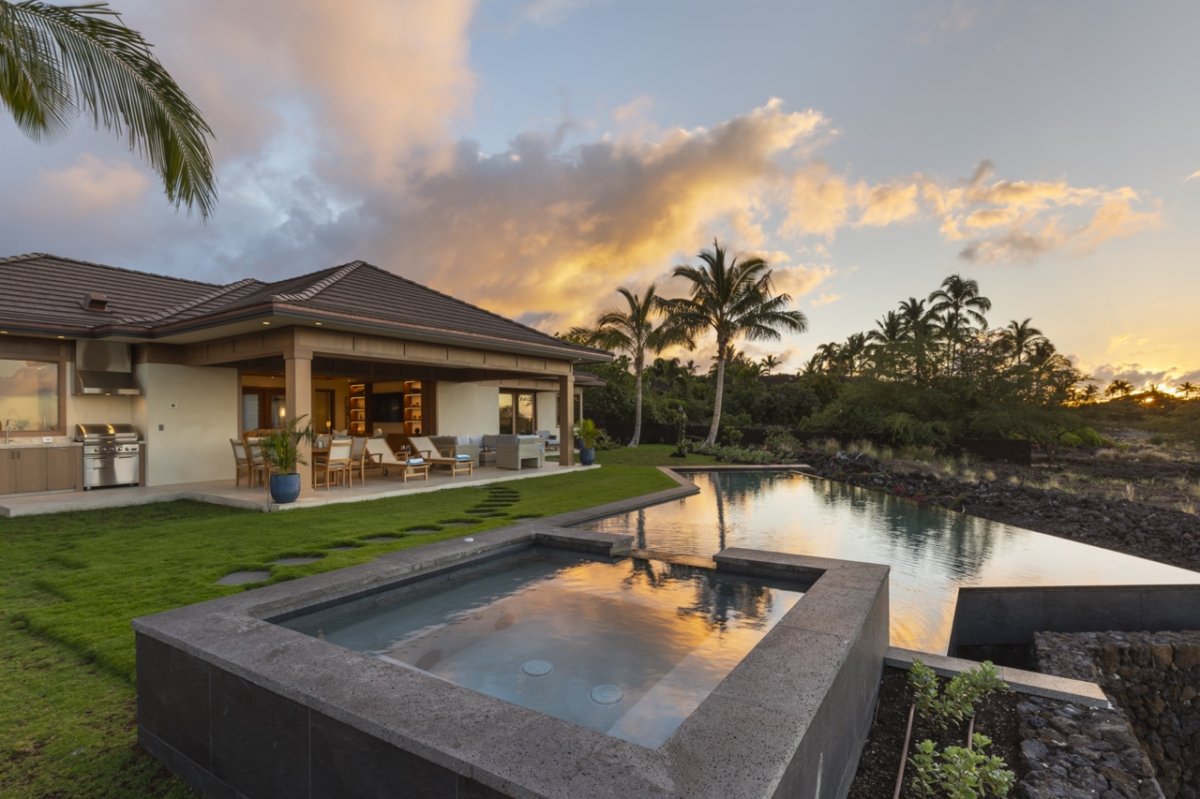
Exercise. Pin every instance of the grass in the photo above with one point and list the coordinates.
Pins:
(71, 583)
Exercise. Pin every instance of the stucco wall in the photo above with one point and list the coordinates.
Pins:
(547, 411)
(467, 409)
(197, 410)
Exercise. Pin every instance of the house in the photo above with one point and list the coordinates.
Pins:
(192, 364)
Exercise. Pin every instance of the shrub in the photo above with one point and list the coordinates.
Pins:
(956, 702)
(960, 773)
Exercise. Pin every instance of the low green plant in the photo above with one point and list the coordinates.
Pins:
(588, 433)
(281, 448)
(957, 772)
(955, 703)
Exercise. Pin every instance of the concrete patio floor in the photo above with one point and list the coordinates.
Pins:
(224, 492)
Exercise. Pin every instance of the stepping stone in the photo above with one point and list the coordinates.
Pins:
(297, 561)
(382, 539)
(459, 522)
(528, 516)
(242, 578)
(422, 528)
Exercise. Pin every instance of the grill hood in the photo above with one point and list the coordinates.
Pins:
(104, 367)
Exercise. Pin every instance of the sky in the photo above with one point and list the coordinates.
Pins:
(531, 156)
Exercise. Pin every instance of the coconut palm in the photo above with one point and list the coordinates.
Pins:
(1119, 387)
(731, 299)
(919, 330)
(1020, 338)
(1188, 388)
(769, 363)
(960, 307)
(57, 61)
(633, 331)
(885, 342)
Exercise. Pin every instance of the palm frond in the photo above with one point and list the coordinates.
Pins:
(57, 60)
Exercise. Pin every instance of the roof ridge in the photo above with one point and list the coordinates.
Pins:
(469, 304)
(183, 306)
(32, 255)
(320, 285)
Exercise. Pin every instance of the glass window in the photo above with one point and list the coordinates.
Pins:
(517, 414)
(29, 395)
(506, 412)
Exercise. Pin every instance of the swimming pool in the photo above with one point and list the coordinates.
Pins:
(932, 551)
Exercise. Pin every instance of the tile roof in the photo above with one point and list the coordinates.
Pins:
(48, 293)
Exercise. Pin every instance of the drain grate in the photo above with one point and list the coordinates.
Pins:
(537, 668)
(607, 694)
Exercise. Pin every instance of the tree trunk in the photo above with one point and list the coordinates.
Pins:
(637, 413)
(718, 395)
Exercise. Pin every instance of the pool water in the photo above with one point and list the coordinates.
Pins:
(931, 551)
(629, 648)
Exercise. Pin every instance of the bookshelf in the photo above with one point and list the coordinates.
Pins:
(414, 419)
(356, 411)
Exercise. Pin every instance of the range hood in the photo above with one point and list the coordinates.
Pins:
(104, 367)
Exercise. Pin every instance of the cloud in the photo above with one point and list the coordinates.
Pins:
(90, 185)
(826, 299)
(1192, 176)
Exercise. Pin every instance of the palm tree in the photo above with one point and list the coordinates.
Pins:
(769, 363)
(734, 299)
(960, 307)
(1188, 388)
(634, 332)
(56, 61)
(919, 330)
(1119, 387)
(1020, 338)
(885, 341)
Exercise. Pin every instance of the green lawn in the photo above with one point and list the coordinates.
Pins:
(70, 584)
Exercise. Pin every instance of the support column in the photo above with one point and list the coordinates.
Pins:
(566, 420)
(298, 399)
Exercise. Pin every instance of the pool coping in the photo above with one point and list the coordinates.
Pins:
(789, 720)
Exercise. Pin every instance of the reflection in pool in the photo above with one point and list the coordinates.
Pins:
(932, 551)
(628, 648)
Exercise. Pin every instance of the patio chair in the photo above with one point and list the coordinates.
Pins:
(402, 464)
(241, 462)
(361, 458)
(257, 464)
(337, 463)
(457, 464)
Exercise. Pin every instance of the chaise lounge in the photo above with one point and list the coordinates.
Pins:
(457, 464)
(404, 466)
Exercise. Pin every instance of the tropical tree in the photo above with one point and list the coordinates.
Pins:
(960, 308)
(1188, 388)
(731, 299)
(769, 363)
(1118, 387)
(1020, 338)
(919, 330)
(885, 343)
(58, 61)
(633, 331)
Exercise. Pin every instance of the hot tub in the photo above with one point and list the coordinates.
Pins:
(531, 661)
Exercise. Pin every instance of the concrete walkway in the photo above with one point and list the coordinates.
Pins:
(222, 492)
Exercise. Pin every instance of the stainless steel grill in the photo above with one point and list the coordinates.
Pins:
(111, 454)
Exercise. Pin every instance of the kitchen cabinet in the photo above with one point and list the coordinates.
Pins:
(28, 469)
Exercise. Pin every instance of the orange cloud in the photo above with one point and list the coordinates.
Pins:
(91, 185)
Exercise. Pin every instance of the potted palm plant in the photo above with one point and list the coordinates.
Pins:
(588, 434)
(281, 450)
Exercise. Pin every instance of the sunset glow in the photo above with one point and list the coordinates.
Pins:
(504, 153)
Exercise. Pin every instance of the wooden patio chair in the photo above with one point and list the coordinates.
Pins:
(400, 463)
(258, 466)
(241, 462)
(337, 463)
(457, 464)
(361, 458)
